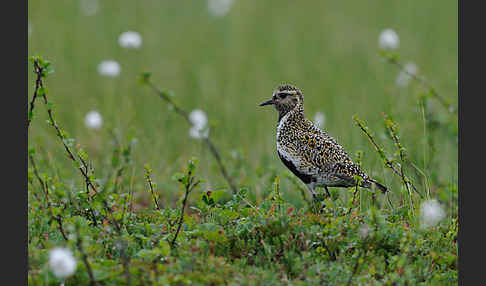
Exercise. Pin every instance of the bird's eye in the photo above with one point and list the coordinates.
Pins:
(282, 95)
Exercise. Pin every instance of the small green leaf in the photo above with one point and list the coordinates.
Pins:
(144, 77)
(41, 91)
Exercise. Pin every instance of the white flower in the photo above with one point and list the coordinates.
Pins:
(93, 120)
(109, 68)
(319, 119)
(130, 40)
(89, 7)
(198, 118)
(405, 75)
(431, 213)
(198, 133)
(62, 262)
(199, 122)
(388, 40)
(219, 8)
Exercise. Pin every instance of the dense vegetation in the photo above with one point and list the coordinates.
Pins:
(140, 202)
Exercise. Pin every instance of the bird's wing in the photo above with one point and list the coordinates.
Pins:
(323, 152)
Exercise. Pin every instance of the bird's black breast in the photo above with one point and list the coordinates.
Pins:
(304, 177)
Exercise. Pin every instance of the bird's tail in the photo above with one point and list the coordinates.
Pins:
(382, 188)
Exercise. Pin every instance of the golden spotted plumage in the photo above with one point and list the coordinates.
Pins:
(311, 154)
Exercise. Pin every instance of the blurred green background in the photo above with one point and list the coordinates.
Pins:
(226, 65)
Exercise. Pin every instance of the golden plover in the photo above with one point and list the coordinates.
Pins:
(312, 155)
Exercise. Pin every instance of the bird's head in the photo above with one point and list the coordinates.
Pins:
(285, 98)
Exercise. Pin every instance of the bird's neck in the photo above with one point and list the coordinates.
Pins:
(296, 111)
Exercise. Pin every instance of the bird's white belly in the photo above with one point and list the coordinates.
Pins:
(281, 149)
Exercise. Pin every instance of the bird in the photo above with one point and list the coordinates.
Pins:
(310, 153)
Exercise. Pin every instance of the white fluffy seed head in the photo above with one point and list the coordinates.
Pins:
(219, 8)
(198, 133)
(431, 213)
(388, 40)
(320, 119)
(405, 75)
(130, 40)
(199, 122)
(93, 120)
(62, 262)
(89, 7)
(109, 68)
(198, 118)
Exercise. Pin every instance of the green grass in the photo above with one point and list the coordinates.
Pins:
(226, 66)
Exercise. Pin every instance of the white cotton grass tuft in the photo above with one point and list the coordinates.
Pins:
(319, 119)
(62, 262)
(130, 40)
(198, 118)
(89, 7)
(431, 213)
(199, 122)
(405, 75)
(93, 120)
(388, 40)
(198, 133)
(109, 68)
(219, 8)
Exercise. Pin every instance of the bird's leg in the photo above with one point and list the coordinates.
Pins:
(317, 204)
(327, 191)
(314, 194)
(315, 198)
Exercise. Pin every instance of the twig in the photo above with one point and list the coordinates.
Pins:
(125, 206)
(163, 94)
(45, 190)
(189, 186)
(355, 268)
(391, 126)
(40, 70)
(215, 153)
(38, 84)
(380, 151)
(126, 262)
(148, 172)
(41, 182)
(84, 257)
(61, 228)
(113, 220)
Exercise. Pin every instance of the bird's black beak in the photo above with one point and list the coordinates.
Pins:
(268, 102)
